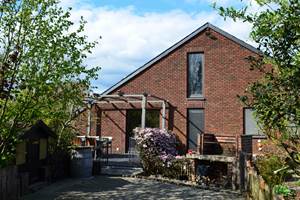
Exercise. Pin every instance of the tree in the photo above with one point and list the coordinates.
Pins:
(42, 75)
(276, 97)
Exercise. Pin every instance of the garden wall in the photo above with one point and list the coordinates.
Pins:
(12, 185)
(257, 187)
(253, 184)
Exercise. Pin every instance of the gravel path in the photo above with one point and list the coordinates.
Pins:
(105, 187)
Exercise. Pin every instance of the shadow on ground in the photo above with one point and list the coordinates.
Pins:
(105, 187)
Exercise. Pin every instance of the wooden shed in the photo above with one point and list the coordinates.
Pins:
(32, 152)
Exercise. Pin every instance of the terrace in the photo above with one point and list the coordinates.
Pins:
(218, 149)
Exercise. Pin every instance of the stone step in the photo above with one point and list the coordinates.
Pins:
(119, 156)
(121, 161)
(121, 164)
(120, 171)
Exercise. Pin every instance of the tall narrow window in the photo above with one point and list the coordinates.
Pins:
(195, 127)
(251, 126)
(195, 75)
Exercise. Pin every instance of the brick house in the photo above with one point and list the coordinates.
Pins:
(199, 78)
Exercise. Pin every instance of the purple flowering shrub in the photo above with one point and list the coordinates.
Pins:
(157, 149)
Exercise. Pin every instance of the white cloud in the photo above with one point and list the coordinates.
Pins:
(129, 40)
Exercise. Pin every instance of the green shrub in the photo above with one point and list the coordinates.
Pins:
(157, 148)
(158, 154)
(284, 190)
(266, 166)
(177, 169)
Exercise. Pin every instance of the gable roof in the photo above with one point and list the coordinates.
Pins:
(38, 130)
(175, 46)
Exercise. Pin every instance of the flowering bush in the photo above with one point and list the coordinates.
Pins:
(157, 148)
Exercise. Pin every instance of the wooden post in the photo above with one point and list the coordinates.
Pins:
(144, 103)
(193, 174)
(237, 145)
(234, 174)
(163, 123)
(88, 132)
(202, 143)
(199, 144)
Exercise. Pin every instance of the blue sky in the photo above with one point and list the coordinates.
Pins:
(143, 6)
(135, 31)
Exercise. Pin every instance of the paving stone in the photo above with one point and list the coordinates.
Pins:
(108, 187)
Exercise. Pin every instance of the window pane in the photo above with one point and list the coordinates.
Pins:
(251, 127)
(195, 62)
(196, 126)
(133, 120)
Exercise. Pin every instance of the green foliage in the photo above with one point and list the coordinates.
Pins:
(177, 169)
(267, 165)
(42, 75)
(284, 190)
(275, 98)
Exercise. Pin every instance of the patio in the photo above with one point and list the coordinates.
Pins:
(106, 187)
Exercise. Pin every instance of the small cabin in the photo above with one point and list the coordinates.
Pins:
(32, 152)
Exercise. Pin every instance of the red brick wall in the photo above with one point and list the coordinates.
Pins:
(251, 143)
(114, 124)
(81, 121)
(226, 74)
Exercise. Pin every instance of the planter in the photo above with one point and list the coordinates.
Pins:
(81, 162)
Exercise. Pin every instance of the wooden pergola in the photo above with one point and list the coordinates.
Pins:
(121, 98)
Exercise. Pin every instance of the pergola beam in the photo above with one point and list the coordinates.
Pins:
(118, 96)
(122, 98)
(115, 101)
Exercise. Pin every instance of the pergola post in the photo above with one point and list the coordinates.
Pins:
(144, 103)
(163, 123)
(88, 132)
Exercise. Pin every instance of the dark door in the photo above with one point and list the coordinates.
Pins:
(195, 127)
(33, 160)
(133, 120)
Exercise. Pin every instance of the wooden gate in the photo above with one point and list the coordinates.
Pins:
(33, 161)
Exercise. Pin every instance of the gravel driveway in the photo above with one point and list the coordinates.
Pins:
(105, 187)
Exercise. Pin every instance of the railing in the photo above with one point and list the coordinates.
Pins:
(132, 151)
(102, 145)
(208, 142)
(132, 146)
